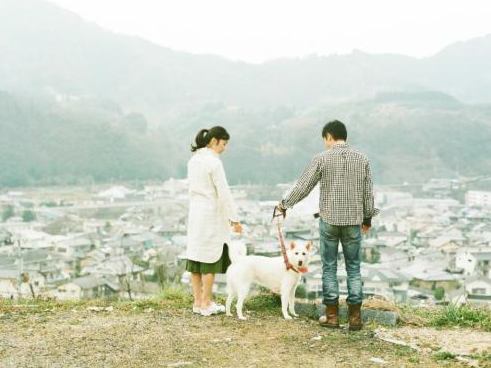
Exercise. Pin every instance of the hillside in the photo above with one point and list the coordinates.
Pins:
(91, 105)
(164, 333)
(408, 136)
(45, 143)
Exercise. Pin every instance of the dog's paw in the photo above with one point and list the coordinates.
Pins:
(294, 314)
(288, 317)
(229, 314)
(243, 318)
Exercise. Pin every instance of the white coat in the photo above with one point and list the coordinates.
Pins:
(211, 207)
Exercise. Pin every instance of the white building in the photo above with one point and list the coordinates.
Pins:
(87, 287)
(478, 198)
(30, 283)
(478, 285)
(472, 260)
(115, 193)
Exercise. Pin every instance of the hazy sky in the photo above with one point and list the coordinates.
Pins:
(258, 30)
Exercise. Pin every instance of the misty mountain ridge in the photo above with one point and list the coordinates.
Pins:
(87, 79)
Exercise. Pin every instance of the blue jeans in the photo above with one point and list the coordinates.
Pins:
(350, 237)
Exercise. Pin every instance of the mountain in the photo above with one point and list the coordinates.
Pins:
(409, 136)
(43, 143)
(117, 106)
(462, 69)
(48, 48)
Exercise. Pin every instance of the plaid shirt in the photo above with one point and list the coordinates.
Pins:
(346, 188)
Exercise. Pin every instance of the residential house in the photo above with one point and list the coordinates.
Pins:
(87, 287)
(120, 269)
(432, 279)
(49, 264)
(393, 238)
(139, 290)
(478, 290)
(474, 260)
(31, 284)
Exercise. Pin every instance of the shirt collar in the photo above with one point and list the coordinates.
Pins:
(208, 151)
(340, 145)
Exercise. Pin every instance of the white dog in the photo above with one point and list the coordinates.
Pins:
(268, 272)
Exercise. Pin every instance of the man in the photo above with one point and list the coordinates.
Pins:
(346, 210)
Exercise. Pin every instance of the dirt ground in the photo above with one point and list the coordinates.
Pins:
(457, 341)
(174, 337)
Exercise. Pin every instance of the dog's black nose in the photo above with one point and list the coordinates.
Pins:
(299, 263)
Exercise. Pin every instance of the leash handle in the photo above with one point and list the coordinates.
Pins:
(283, 213)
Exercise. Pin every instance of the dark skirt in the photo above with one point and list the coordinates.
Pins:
(219, 266)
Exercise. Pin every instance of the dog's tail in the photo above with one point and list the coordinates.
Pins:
(237, 250)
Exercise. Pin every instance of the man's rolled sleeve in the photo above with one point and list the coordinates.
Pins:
(369, 209)
(308, 180)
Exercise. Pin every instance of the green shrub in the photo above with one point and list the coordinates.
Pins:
(176, 293)
(439, 293)
(464, 316)
(444, 355)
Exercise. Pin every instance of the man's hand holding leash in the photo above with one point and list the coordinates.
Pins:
(280, 210)
(237, 227)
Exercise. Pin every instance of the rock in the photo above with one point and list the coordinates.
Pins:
(317, 338)
(468, 361)
(225, 339)
(378, 360)
(179, 364)
(368, 315)
(95, 309)
(100, 309)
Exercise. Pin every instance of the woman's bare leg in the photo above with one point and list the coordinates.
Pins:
(197, 288)
(208, 280)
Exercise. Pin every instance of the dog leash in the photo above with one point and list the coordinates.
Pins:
(288, 265)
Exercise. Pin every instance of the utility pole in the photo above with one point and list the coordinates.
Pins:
(20, 267)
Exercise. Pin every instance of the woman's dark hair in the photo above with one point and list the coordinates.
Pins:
(205, 136)
(336, 129)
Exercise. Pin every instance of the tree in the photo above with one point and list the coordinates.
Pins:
(301, 292)
(439, 293)
(107, 227)
(8, 213)
(28, 216)
(375, 256)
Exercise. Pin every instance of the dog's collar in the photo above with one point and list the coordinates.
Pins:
(300, 270)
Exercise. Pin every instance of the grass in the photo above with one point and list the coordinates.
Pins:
(444, 355)
(465, 316)
(163, 331)
(176, 294)
(263, 304)
(484, 358)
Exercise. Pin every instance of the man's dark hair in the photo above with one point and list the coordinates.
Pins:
(336, 129)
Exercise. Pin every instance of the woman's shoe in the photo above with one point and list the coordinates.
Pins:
(212, 310)
(196, 309)
(220, 308)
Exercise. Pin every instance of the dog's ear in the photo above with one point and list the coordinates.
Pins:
(310, 246)
(292, 245)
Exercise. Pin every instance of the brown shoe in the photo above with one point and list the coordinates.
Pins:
(354, 315)
(331, 319)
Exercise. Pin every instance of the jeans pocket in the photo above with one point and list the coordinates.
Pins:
(353, 232)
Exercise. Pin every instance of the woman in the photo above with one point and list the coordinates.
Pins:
(211, 211)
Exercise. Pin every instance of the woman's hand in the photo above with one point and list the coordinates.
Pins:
(237, 227)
